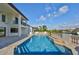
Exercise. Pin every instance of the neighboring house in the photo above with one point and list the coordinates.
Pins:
(13, 22)
(34, 29)
(75, 31)
(75, 37)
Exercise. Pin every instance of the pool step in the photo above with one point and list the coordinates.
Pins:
(19, 51)
(22, 50)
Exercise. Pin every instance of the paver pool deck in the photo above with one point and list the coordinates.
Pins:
(9, 48)
(5, 41)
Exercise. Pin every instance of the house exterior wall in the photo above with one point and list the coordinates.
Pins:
(8, 24)
(10, 18)
(31, 30)
(25, 30)
(2, 24)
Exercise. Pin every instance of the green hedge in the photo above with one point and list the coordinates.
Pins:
(1, 30)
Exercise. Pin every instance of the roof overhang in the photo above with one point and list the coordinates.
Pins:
(11, 5)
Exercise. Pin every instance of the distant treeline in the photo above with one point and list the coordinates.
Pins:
(55, 31)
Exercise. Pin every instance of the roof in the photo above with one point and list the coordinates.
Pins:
(35, 27)
(17, 10)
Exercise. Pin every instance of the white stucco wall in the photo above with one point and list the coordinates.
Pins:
(30, 30)
(2, 24)
(8, 24)
(25, 30)
(10, 17)
(0, 17)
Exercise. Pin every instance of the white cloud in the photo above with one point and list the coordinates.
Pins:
(48, 9)
(61, 10)
(42, 18)
(55, 14)
(49, 15)
(52, 14)
(64, 9)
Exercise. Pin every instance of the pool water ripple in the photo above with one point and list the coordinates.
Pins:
(41, 44)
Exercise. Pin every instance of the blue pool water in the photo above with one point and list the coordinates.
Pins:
(41, 45)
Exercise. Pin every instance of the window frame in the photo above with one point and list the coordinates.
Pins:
(14, 30)
(3, 18)
(16, 20)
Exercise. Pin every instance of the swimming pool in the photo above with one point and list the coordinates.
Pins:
(41, 45)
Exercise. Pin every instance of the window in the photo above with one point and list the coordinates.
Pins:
(14, 30)
(16, 20)
(2, 31)
(3, 18)
(23, 22)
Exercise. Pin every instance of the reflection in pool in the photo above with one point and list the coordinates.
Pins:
(41, 45)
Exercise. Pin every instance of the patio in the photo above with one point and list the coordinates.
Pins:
(5, 41)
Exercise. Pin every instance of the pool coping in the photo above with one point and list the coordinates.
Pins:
(68, 46)
(9, 50)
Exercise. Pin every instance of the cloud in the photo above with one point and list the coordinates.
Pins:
(42, 18)
(48, 9)
(49, 15)
(64, 9)
(56, 13)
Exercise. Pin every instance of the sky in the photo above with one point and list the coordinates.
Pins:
(53, 15)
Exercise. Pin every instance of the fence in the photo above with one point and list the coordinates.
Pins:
(69, 38)
(75, 39)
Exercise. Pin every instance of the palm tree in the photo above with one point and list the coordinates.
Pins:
(43, 28)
